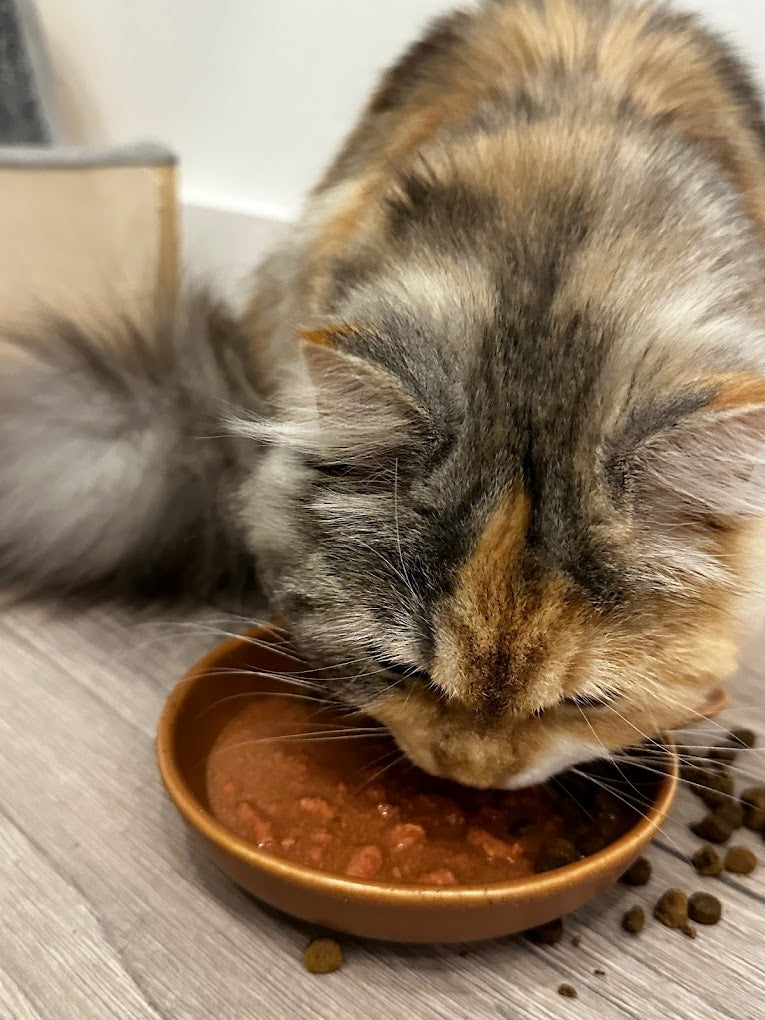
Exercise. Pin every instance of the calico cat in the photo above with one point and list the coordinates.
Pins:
(491, 431)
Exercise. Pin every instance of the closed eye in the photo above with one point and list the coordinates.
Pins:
(404, 669)
(591, 700)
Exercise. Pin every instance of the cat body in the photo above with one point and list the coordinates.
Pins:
(491, 428)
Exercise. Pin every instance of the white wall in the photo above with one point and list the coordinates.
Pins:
(254, 95)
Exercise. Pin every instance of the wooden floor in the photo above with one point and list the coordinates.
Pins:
(106, 911)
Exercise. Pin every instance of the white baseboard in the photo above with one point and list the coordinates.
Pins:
(224, 246)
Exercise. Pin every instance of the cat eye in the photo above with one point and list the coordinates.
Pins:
(403, 669)
(591, 700)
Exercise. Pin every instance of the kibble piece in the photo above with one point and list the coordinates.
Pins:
(740, 860)
(589, 843)
(365, 862)
(744, 738)
(704, 908)
(712, 828)
(638, 873)
(556, 853)
(689, 930)
(723, 754)
(753, 801)
(707, 861)
(716, 787)
(546, 934)
(672, 909)
(568, 992)
(731, 813)
(322, 956)
(634, 920)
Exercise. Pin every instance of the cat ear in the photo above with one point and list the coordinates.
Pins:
(360, 408)
(347, 410)
(705, 470)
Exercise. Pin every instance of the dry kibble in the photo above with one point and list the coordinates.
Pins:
(704, 908)
(568, 992)
(556, 854)
(672, 909)
(753, 801)
(716, 786)
(634, 920)
(740, 860)
(689, 930)
(694, 775)
(707, 861)
(546, 934)
(723, 754)
(744, 738)
(589, 843)
(731, 813)
(638, 874)
(322, 956)
(712, 828)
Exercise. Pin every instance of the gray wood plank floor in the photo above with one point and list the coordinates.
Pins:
(107, 910)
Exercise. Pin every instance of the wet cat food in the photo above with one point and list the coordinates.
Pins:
(281, 776)
(704, 908)
(322, 956)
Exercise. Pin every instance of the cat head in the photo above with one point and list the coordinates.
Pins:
(505, 607)
(518, 501)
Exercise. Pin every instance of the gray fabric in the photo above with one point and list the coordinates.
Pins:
(23, 120)
(64, 157)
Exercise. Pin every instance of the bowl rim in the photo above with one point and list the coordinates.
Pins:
(541, 885)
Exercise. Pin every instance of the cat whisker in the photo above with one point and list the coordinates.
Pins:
(605, 786)
(283, 678)
(381, 772)
(682, 781)
(558, 781)
(260, 694)
(315, 737)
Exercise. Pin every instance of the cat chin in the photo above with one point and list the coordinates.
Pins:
(562, 755)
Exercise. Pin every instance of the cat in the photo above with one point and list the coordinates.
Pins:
(490, 432)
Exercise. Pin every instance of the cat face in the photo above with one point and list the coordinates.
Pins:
(509, 603)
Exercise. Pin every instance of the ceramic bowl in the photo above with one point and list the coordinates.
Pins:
(408, 913)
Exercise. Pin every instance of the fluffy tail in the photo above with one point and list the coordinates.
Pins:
(114, 472)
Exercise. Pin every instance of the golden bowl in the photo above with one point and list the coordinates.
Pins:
(404, 913)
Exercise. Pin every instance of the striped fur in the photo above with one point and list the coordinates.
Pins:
(500, 443)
